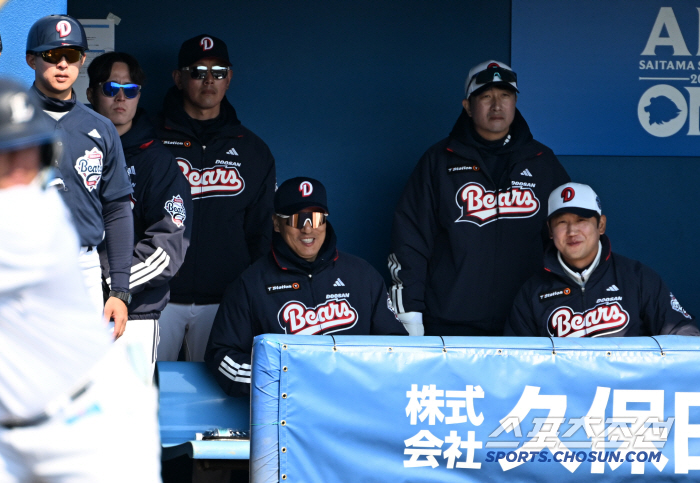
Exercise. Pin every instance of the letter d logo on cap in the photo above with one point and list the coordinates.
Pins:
(567, 194)
(306, 189)
(63, 28)
(207, 43)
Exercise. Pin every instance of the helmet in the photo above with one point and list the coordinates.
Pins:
(23, 124)
(56, 31)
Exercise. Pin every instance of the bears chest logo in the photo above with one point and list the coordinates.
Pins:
(333, 315)
(89, 167)
(480, 206)
(176, 208)
(601, 319)
(214, 181)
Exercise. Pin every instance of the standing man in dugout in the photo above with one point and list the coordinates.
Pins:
(231, 174)
(586, 290)
(160, 204)
(92, 173)
(303, 286)
(468, 229)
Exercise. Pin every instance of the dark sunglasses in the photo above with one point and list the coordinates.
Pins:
(299, 220)
(54, 56)
(111, 89)
(200, 71)
(492, 73)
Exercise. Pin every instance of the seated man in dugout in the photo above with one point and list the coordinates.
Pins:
(586, 290)
(303, 286)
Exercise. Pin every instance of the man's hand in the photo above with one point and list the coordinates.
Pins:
(115, 309)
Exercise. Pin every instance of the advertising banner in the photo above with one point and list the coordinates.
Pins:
(610, 77)
(474, 409)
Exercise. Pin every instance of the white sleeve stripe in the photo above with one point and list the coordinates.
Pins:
(397, 288)
(234, 364)
(236, 371)
(245, 380)
(227, 370)
(152, 263)
(156, 270)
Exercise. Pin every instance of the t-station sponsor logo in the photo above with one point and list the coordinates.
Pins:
(664, 109)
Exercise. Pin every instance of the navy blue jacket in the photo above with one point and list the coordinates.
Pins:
(232, 181)
(621, 298)
(162, 209)
(464, 243)
(281, 293)
(93, 171)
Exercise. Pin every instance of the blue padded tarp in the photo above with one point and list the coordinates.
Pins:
(425, 409)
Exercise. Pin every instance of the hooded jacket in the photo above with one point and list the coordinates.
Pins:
(231, 173)
(621, 298)
(281, 293)
(463, 242)
(162, 209)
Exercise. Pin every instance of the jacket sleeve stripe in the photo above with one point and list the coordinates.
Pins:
(156, 269)
(235, 372)
(397, 287)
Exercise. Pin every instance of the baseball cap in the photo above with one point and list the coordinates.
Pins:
(202, 46)
(576, 198)
(488, 73)
(298, 193)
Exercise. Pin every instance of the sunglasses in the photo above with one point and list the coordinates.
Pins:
(299, 220)
(492, 73)
(54, 56)
(111, 89)
(199, 72)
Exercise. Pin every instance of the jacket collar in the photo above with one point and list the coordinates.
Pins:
(553, 263)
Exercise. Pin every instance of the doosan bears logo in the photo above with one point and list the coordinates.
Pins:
(306, 189)
(334, 315)
(480, 206)
(176, 208)
(601, 319)
(567, 194)
(207, 43)
(211, 182)
(63, 28)
(89, 167)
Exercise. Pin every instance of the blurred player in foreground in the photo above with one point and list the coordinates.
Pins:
(72, 408)
(586, 290)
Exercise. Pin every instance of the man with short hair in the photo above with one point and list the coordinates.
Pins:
(92, 171)
(468, 229)
(586, 290)
(303, 286)
(231, 173)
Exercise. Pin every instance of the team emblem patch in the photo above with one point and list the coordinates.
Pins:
(89, 167)
(480, 206)
(306, 188)
(675, 305)
(211, 182)
(207, 43)
(555, 294)
(600, 320)
(63, 28)
(333, 315)
(282, 287)
(176, 208)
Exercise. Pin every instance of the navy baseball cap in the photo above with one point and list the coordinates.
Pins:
(202, 46)
(56, 31)
(298, 193)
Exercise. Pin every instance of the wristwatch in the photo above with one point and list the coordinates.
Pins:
(123, 296)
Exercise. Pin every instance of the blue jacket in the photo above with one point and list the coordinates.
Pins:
(232, 181)
(336, 294)
(162, 209)
(463, 243)
(621, 298)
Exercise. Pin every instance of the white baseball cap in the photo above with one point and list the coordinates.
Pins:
(576, 198)
(489, 72)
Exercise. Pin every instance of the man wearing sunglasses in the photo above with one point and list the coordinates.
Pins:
(92, 173)
(303, 286)
(231, 173)
(161, 203)
(469, 228)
